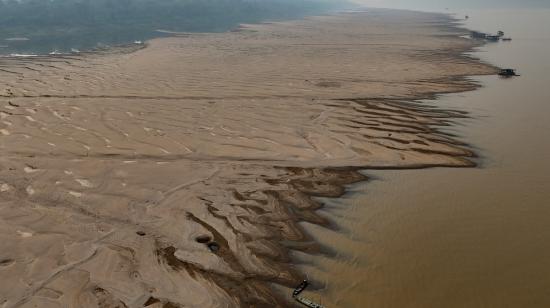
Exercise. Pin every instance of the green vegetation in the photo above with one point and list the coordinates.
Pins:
(83, 24)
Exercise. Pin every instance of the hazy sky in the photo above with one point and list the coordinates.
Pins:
(456, 4)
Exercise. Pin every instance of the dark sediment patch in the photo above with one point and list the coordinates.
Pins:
(6, 262)
(249, 291)
(203, 239)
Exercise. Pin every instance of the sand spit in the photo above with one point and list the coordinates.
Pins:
(174, 176)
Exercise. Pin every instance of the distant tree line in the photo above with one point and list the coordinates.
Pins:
(115, 20)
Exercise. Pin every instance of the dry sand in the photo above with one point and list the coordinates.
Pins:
(118, 171)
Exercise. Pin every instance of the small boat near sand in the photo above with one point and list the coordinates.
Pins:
(302, 300)
(300, 288)
(308, 303)
(478, 35)
(507, 72)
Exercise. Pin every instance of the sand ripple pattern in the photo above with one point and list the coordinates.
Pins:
(118, 171)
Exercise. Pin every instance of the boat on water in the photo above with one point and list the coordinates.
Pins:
(507, 72)
(308, 303)
(506, 39)
(300, 288)
(478, 35)
(302, 300)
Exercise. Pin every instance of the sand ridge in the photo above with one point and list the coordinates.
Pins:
(176, 175)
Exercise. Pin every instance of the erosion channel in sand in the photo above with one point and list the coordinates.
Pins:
(176, 175)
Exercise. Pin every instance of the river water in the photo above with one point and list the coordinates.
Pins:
(445, 237)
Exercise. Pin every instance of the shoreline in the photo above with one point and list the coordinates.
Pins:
(446, 237)
(282, 188)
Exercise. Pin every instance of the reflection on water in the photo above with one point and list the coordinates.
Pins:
(459, 237)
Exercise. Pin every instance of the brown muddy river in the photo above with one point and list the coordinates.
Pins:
(477, 237)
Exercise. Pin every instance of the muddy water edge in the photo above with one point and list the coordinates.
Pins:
(473, 237)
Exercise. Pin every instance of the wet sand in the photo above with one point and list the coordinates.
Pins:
(177, 175)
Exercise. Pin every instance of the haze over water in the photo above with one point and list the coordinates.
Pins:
(476, 237)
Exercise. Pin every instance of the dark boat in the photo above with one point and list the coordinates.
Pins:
(507, 72)
(306, 302)
(301, 287)
(506, 38)
(302, 300)
(478, 35)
